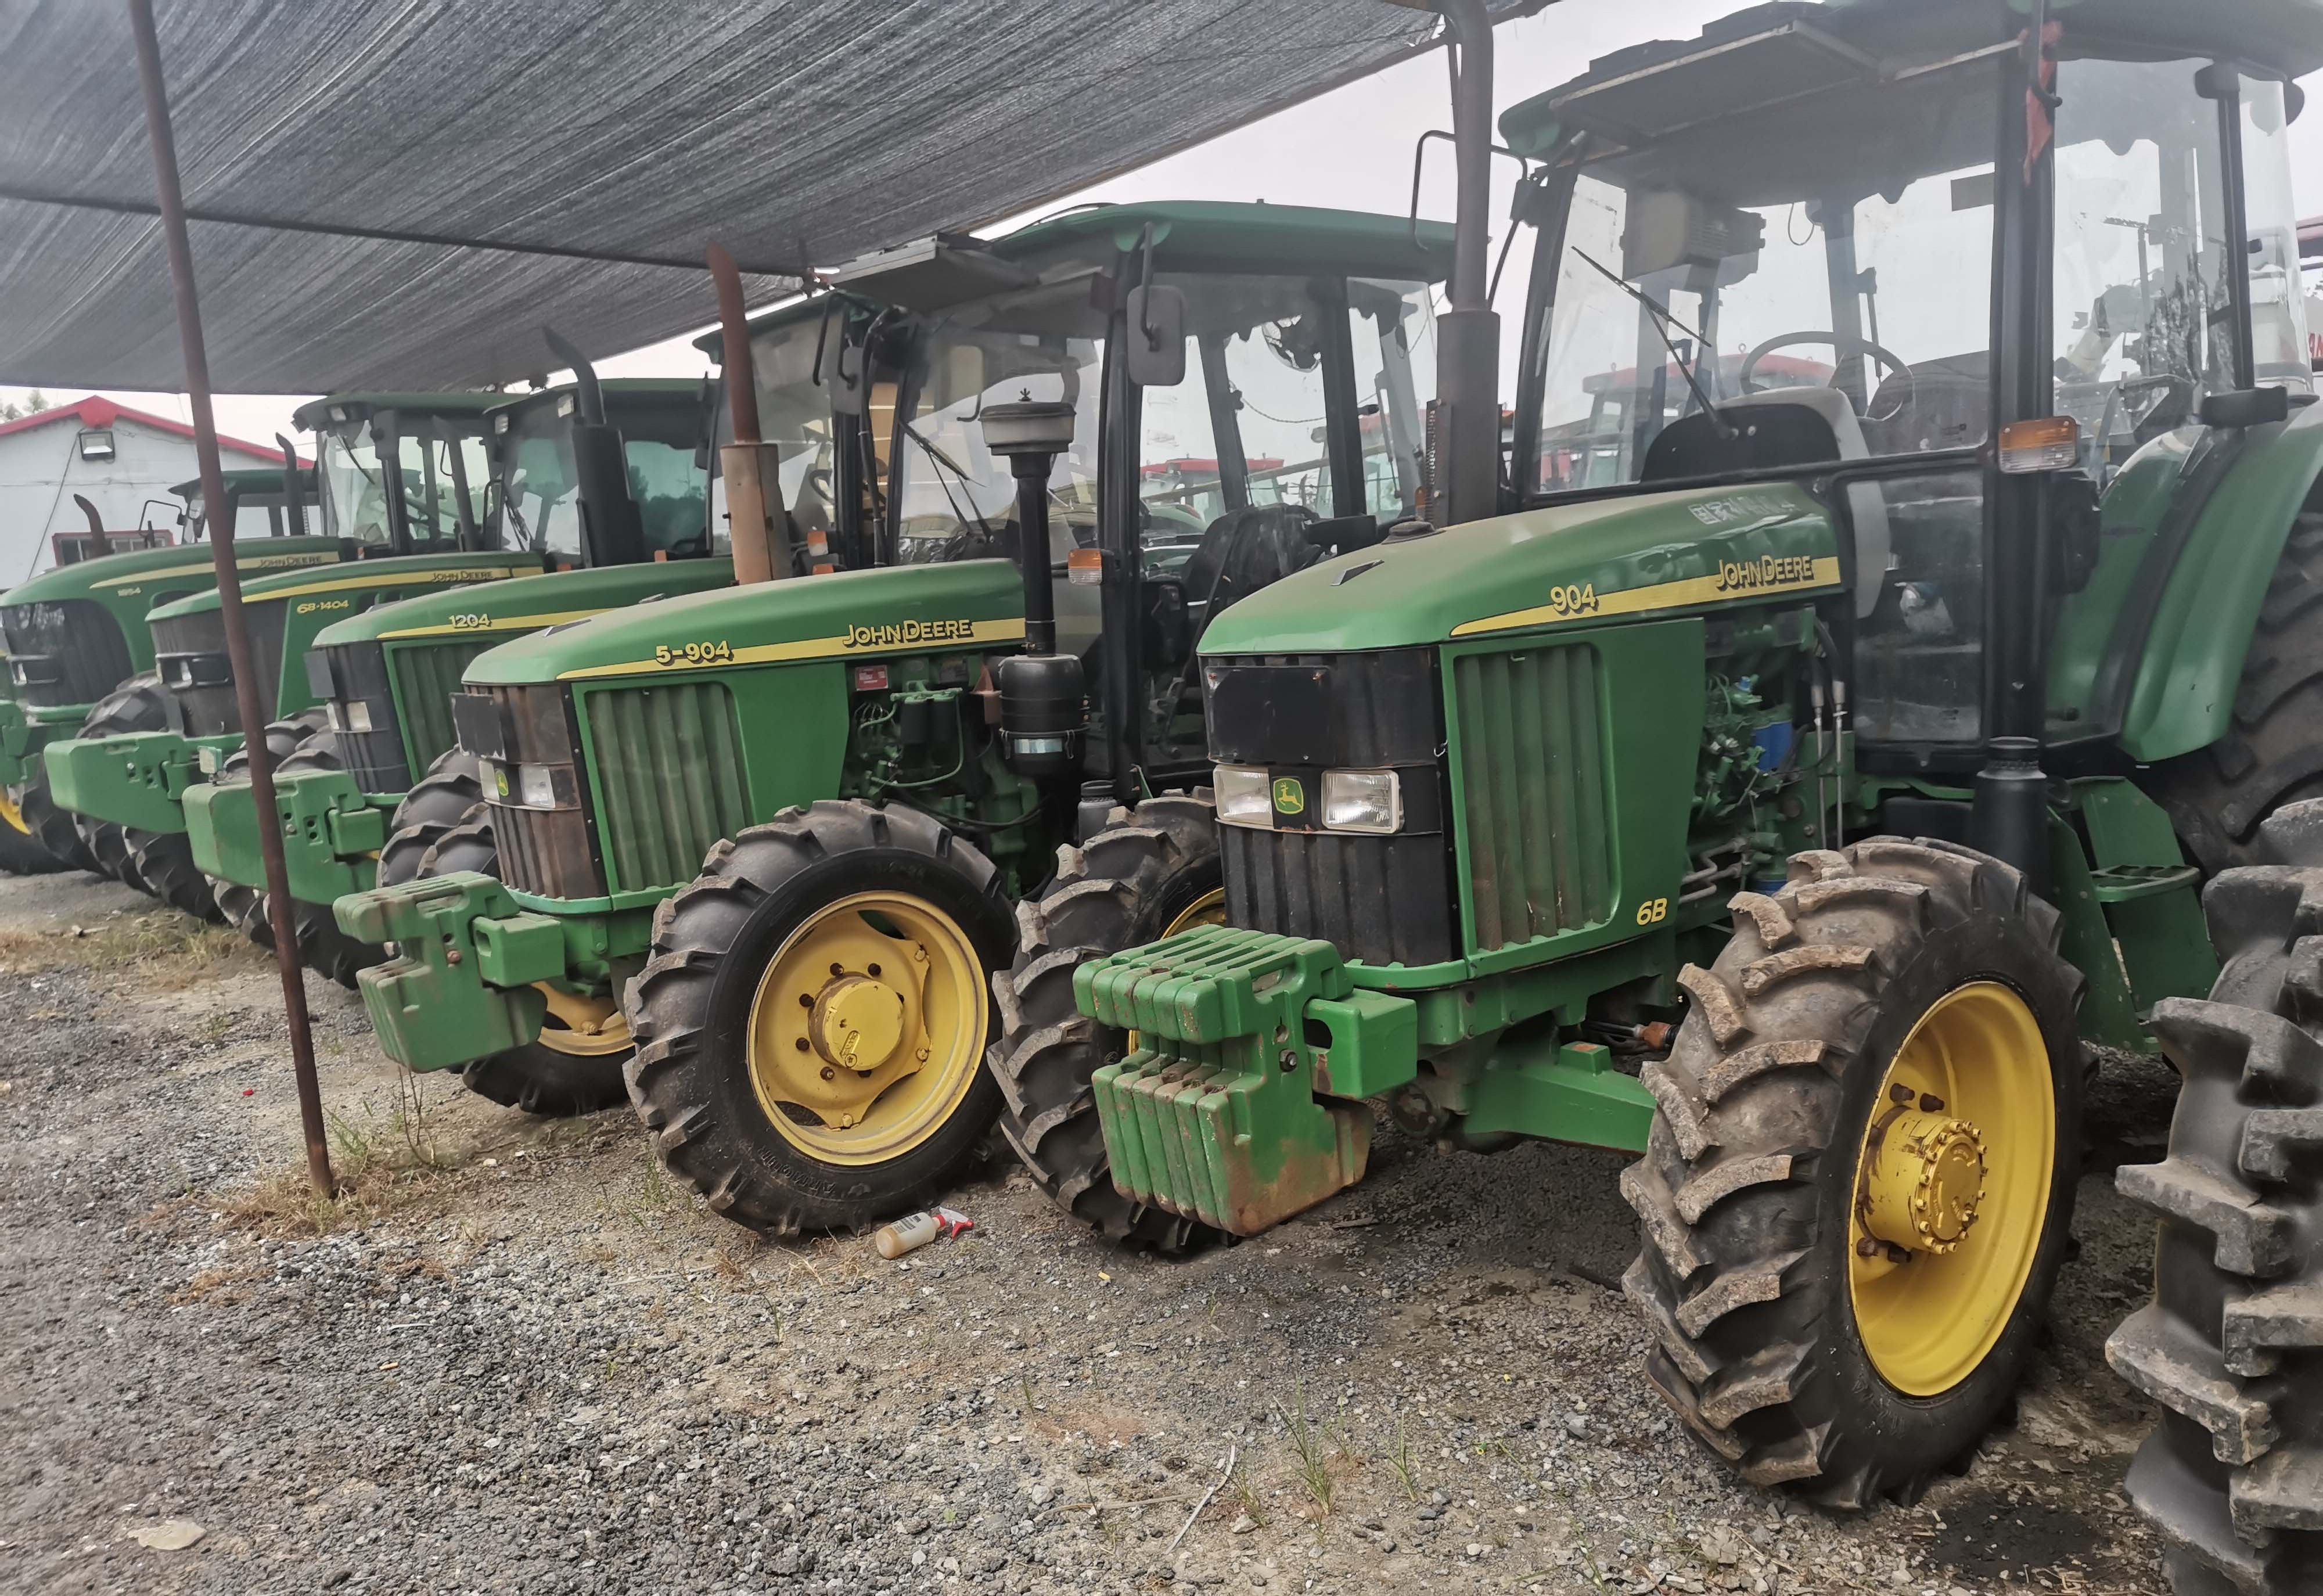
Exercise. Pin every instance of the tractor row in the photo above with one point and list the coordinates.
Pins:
(1129, 682)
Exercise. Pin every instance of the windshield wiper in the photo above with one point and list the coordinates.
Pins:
(1663, 321)
(967, 481)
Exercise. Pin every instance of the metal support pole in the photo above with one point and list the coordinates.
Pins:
(229, 585)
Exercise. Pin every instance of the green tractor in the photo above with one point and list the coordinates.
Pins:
(1787, 779)
(75, 634)
(785, 825)
(402, 481)
(371, 703)
(363, 800)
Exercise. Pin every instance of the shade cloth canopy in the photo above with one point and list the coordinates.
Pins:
(398, 193)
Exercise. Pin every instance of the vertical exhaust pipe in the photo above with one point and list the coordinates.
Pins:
(760, 528)
(293, 501)
(1468, 335)
(99, 546)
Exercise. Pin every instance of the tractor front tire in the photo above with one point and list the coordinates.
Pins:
(812, 1025)
(1152, 871)
(2232, 1345)
(439, 801)
(1859, 1180)
(138, 704)
(22, 851)
(569, 1070)
(245, 907)
(51, 827)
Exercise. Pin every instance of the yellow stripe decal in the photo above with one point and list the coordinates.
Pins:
(863, 641)
(1736, 579)
(506, 623)
(269, 563)
(405, 579)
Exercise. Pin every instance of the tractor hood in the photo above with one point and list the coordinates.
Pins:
(1560, 565)
(97, 577)
(406, 571)
(967, 604)
(527, 604)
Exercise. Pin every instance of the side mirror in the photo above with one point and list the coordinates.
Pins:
(2246, 406)
(1156, 338)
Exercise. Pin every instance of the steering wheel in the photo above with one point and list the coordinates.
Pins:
(1845, 344)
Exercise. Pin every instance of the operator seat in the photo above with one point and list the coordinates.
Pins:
(1784, 427)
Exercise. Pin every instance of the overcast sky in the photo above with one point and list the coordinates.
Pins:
(1352, 148)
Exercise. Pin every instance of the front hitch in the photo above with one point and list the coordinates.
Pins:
(463, 984)
(137, 779)
(1240, 1105)
(331, 833)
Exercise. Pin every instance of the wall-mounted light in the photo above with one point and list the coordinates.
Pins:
(96, 443)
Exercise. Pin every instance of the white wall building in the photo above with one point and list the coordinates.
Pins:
(115, 457)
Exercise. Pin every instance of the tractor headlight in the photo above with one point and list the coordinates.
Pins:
(1362, 801)
(527, 786)
(352, 716)
(1242, 798)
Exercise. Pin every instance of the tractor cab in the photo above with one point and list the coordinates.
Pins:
(1273, 409)
(566, 496)
(403, 472)
(1780, 252)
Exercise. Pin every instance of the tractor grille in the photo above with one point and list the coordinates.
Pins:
(62, 654)
(548, 852)
(1378, 899)
(427, 675)
(669, 779)
(1533, 792)
(189, 651)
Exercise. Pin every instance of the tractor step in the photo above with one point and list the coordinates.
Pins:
(1219, 1112)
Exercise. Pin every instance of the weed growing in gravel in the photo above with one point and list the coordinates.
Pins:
(382, 1161)
(167, 952)
(1314, 1467)
(1399, 1459)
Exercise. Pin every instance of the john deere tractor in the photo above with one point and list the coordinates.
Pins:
(401, 479)
(785, 824)
(352, 813)
(1781, 782)
(76, 633)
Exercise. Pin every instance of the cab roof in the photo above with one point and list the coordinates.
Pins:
(314, 413)
(1763, 54)
(258, 481)
(1189, 235)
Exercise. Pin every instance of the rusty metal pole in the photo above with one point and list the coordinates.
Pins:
(229, 584)
(754, 490)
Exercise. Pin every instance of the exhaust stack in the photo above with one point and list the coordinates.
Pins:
(760, 528)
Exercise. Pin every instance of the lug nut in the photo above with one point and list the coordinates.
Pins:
(1931, 1103)
(829, 1073)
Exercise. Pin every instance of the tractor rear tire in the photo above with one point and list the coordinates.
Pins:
(2232, 1345)
(2272, 752)
(537, 1077)
(1153, 870)
(725, 1085)
(1789, 1336)
(21, 852)
(138, 704)
(439, 801)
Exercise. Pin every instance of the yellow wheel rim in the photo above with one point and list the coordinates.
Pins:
(867, 1028)
(1951, 1188)
(585, 1027)
(10, 815)
(1209, 909)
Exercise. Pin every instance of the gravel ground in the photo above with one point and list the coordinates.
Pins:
(519, 1359)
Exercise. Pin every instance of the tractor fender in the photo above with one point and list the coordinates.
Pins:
(2182, 694)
